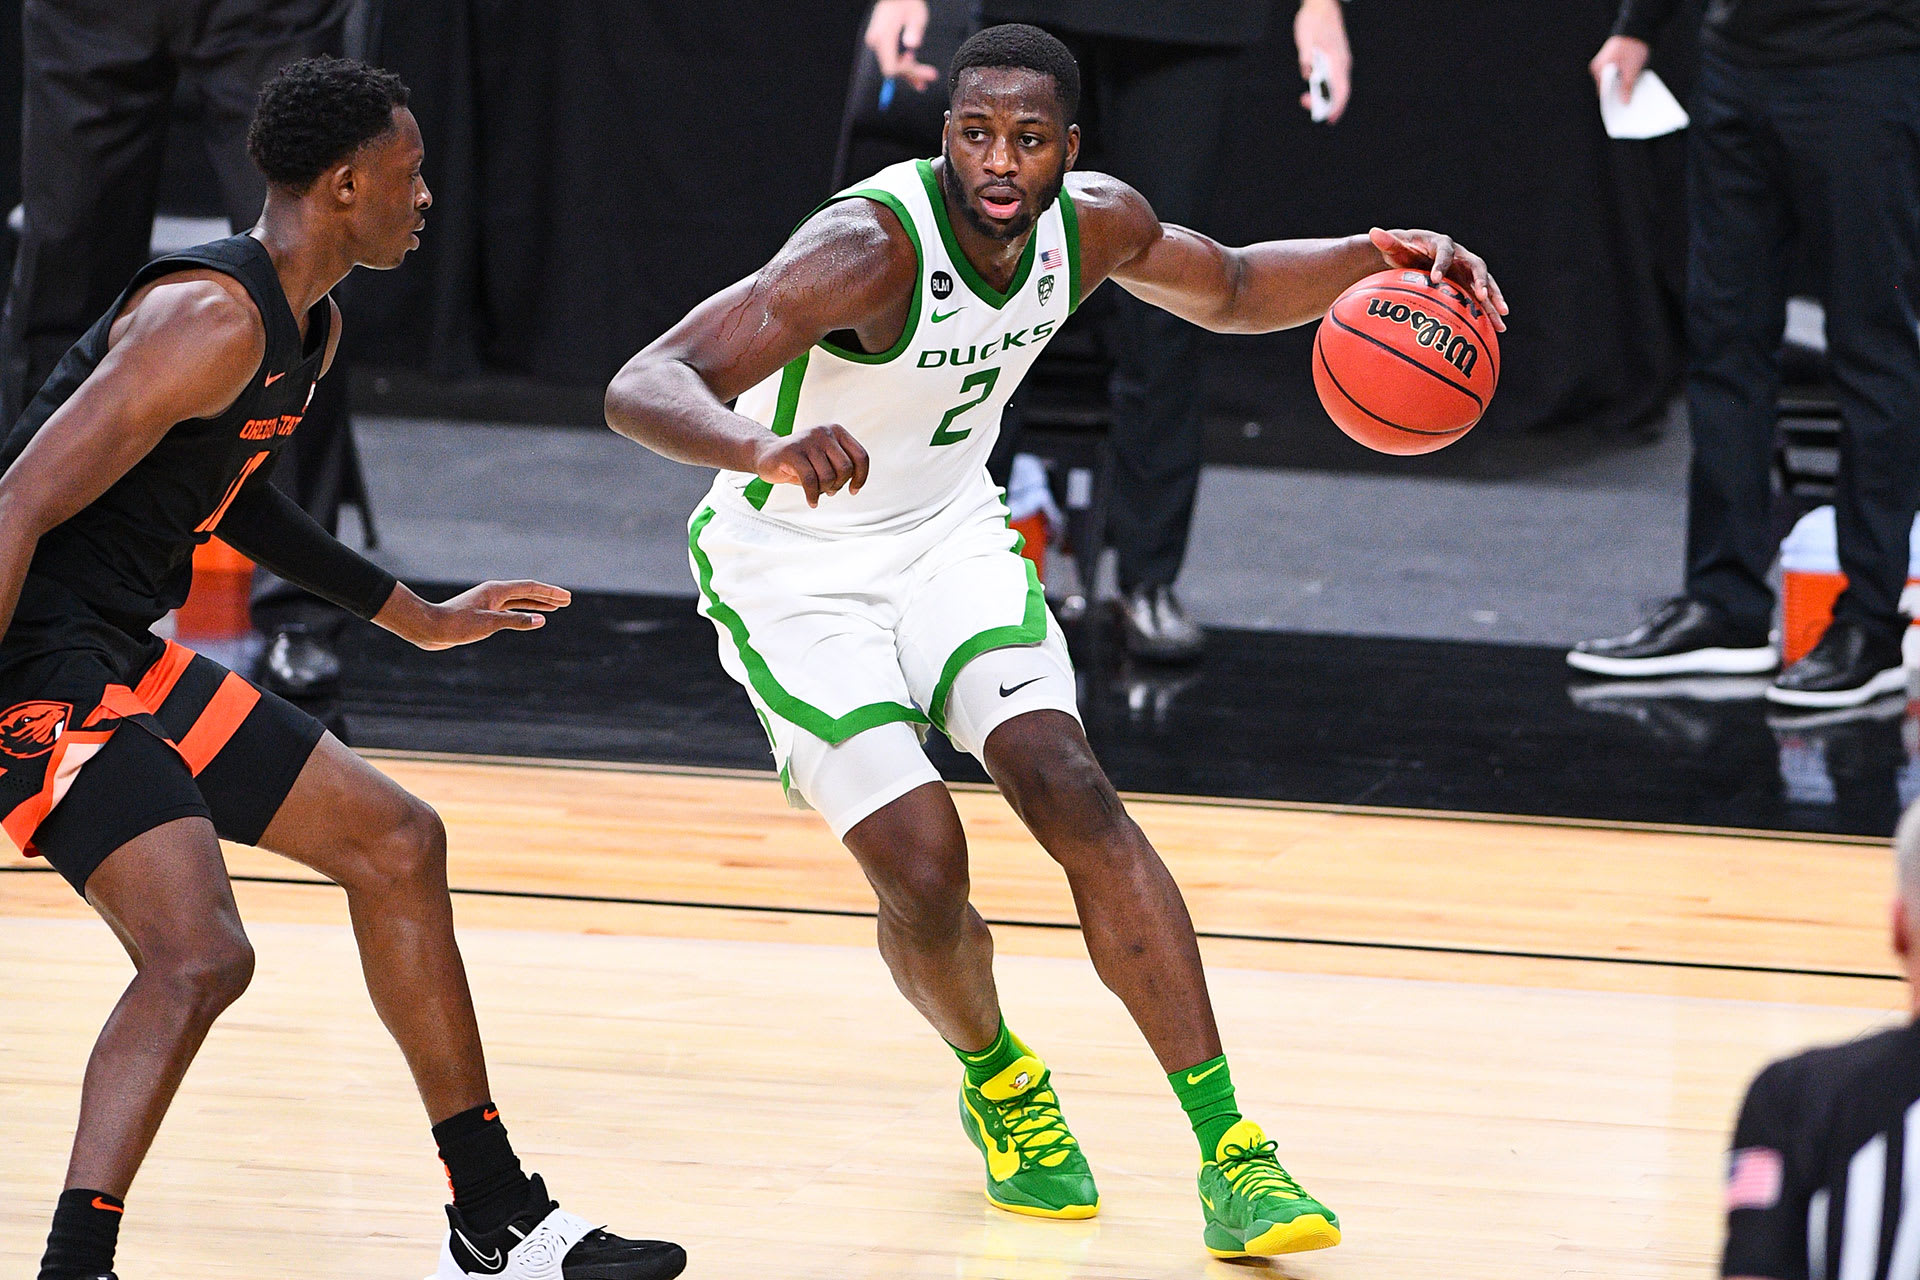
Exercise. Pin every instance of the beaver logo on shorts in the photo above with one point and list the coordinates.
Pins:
(29, 729)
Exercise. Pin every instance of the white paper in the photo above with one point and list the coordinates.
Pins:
(1651, 112)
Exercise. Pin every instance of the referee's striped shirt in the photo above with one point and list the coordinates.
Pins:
(1824, 1176)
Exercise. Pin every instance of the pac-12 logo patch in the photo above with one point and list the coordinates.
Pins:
(29, 729)
(1046, 289)
(942, 284)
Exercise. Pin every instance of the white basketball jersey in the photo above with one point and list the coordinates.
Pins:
(928, 409)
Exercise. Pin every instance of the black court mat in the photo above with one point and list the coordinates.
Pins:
(1266, 715)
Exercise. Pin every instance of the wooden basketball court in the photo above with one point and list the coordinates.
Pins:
(1498, 1049)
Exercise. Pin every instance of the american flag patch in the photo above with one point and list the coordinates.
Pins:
(1754, 1175)
(1051, 260)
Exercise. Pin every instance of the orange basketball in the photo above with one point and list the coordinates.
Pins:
(1404, 366)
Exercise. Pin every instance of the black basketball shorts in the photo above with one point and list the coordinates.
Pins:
(84, 775)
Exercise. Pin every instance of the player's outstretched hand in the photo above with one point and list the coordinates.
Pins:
(1441, 258)
(472, 615)
(821, 460)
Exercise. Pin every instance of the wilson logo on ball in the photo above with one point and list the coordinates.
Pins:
(29, 729)
(1404, 365)
(1429, 331)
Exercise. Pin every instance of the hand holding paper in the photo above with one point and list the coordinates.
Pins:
(1650, 112)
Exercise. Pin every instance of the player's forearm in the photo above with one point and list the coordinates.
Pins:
(664, 404)
(270, 528)
(1282, 283)
(20, 530)
(16, 553)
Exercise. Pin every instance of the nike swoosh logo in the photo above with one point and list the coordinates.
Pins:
(489, 1115)
(1196, 1079)
(272, 378)
(1008, 693)
(99, 1203)
(492, 1262)
(1207, 1202)
(1002, 1161)
(937, 317)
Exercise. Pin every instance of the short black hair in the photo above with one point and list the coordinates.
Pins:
(1015, 44)
(316, 113)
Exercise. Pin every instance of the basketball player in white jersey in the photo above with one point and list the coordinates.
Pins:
(859, 568)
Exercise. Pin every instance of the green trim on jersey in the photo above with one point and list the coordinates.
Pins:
(1031, 629)
(1070, 221)
(905, 340)
(986, 292)
(791, 377)
(779, 701)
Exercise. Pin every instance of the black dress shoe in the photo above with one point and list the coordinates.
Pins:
(1849, 666)
(299, 663)
(1681, 637)
(1158, 629)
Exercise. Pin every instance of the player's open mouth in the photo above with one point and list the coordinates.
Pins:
(1000, 202)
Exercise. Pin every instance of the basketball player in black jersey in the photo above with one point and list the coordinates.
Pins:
(123, 756)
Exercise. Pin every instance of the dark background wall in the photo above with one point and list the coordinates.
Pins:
(9, 125)
(601, 165)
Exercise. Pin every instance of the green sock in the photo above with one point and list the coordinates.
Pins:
(1206, 1092)
(983, 1066)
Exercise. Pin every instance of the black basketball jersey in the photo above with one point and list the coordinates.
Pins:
(1823, 1182)
(129, 553)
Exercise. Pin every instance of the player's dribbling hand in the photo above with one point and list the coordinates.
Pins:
(821, 460)
(1441, 258)
(477, 613)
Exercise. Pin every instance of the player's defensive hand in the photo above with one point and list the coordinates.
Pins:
(822, 460)
(1626, 53)
(894, 33)
(1441, 258)
(476, 614)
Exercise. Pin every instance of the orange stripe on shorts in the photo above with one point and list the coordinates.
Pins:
(232, 703)
(158, 683)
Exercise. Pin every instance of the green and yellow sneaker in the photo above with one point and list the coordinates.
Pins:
(1034, 1165)
(1253, 1206)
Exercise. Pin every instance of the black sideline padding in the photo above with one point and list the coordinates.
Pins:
(601, 165)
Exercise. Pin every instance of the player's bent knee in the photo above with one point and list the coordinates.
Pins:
(408, 855)
(927, 900)
(207, 978)
(1065, 796)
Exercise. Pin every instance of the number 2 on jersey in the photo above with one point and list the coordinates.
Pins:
(983, 380)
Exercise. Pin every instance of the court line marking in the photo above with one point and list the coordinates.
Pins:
(1151, 797)
(1214, 935)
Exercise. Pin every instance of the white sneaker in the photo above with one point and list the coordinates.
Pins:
(545, 1242)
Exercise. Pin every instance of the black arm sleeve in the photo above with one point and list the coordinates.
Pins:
(1642, 19)
(1768, 1189)
(269, 528)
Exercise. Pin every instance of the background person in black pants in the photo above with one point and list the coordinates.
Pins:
(1157, 78)
(100, 76)
(1806, 126)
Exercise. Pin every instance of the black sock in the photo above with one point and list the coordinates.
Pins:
(86, 1227)
(488, 1186)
